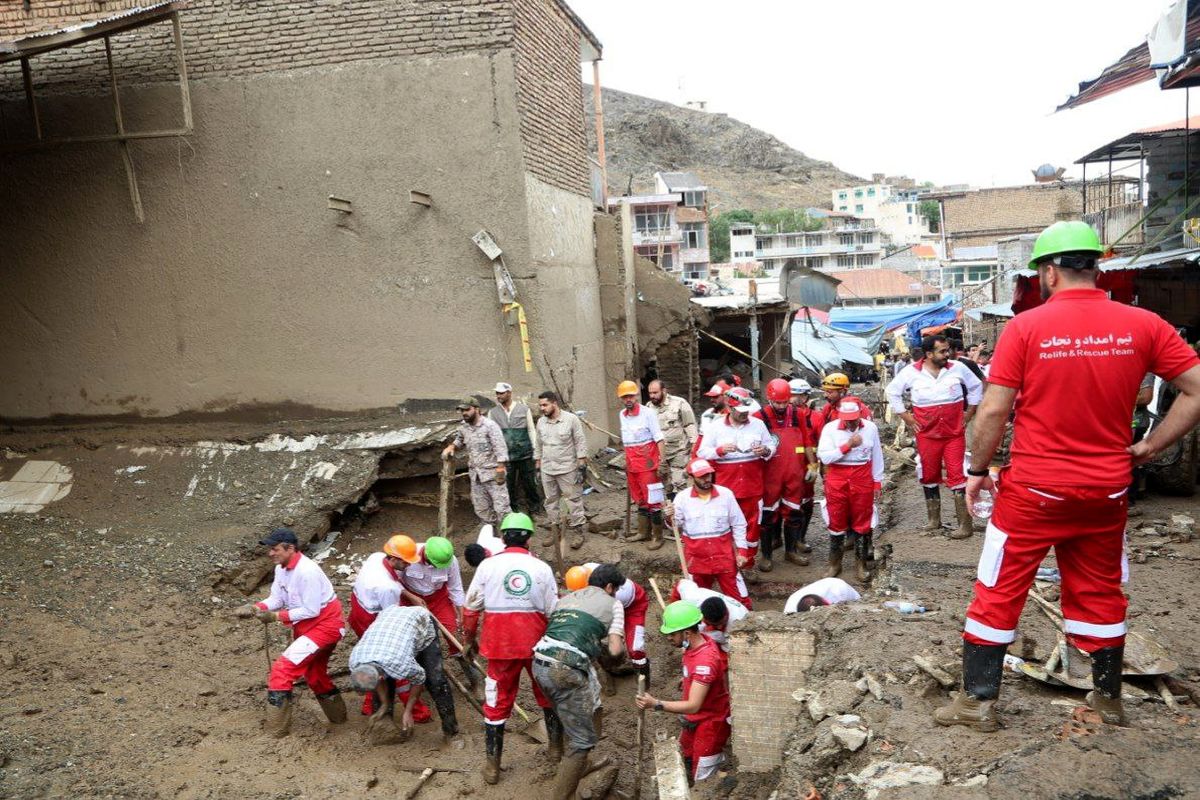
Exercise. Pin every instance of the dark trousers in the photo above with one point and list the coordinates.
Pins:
(522, 473)
(436, 684)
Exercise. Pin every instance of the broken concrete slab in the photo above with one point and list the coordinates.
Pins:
(35, 485)
(884, 775)
(850, 731)
(831, 699)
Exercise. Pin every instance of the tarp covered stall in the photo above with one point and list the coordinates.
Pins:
(913, 318)
(821, 348)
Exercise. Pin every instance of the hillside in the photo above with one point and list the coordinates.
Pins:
(742, 166)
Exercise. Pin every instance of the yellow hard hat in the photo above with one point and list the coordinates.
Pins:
(626, 388)
(577, 578)
(835, 380)
(402, 547)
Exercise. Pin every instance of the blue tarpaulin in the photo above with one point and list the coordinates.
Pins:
(913, 318)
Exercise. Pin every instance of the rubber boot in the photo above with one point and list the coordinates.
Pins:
(974, 705)
(933, 507)
(768, 536)
(963, 531)
(333, 705)
(806, 513)
(656, 530)
(576, 540)
(598, 722)
(835, 556)
(443, 700)
(554, 731)
(794, 529)
(279, 714)
(1105, 699)
(863, 557)
(495, 749)
(643, 527)
(570, 772)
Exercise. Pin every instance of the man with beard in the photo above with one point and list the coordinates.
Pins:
(487, 457)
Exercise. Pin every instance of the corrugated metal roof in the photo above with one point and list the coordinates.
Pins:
(44, 41)
(990, 310)
(862, 283)
(1130, 145)
(681, 181)
(1167, 258)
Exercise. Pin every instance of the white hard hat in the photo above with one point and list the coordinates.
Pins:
(503, 387)
(799, 386)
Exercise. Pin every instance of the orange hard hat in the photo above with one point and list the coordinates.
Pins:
(627, 387)
(402, 547)
(577, 578)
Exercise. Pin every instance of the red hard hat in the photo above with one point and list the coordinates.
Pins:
(737, 397)
(779, 390)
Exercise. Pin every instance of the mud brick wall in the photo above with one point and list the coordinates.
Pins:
(549, 83)
(769, 656)
(982, 217)
(675, 363)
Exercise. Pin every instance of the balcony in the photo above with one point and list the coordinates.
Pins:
(823, 250)
(668, 237)
(1115, 222)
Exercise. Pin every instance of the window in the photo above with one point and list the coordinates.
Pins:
(842, 208)
(816, 241)
(858, 193)
(694, 235)
(652, 219)
(693, 199)
(866, 238)
(651, 254)
(865, 260)
(841, 195)
(871, 192)
(909, 209)
(763, 243)
(846, 238)
(858, 209)
(910, 220)
(845, 261)
(794, 242)
(980, 272)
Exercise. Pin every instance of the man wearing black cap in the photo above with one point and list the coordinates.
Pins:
(303, 599)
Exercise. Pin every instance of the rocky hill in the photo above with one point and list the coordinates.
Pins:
(742, 166)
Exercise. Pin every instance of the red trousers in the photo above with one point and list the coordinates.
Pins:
(849, 499)
(703, 745)
(308, 655)
(442, 609)
(360, 620)
(635, 629)
(1085, 526)
(730, 584)
(639, 493)
(500, 688)
(934, 452)
(752, 510)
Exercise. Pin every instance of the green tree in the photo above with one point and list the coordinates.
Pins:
(718, 232)
(932, 211)
(788, 220)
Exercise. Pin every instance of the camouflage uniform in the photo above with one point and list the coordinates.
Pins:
(678, 423)
(486, 450)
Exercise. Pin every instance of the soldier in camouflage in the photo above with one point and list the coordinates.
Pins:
(487, 458)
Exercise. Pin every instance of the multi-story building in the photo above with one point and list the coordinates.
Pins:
(692, 216)
(896, 210)
(847, 243)
(656, 232)
(882, 287)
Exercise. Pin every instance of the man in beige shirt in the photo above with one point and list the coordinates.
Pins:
(560, 453)
(678, 423)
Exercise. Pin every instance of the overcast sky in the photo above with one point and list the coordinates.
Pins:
(952, 91)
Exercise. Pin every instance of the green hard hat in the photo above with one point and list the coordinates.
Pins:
(516, 521)
(679, 616)
(439, 551)
(1065, 237)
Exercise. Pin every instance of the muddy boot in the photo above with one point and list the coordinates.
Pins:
(974, 705)
(793, 538)
(279, 714)
(656, 530)
(835, 556)
(963, 531)
(768, 536)
(554, 733)
(933, 507)
(643, 527)
(863, 558)
(576, 540)
(570, 771)
(333, 705)
(495, 748)
(806, 513)
(598, 722)
(1105, 699)
(549, 539)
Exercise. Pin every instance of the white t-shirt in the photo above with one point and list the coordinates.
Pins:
(831, 590)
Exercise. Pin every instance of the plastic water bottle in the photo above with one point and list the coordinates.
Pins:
(983, 506)
(905, 607)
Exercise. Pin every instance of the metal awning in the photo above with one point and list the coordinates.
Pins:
(990, 310)
(1130, 146)
(1168, 258)
(45, 41)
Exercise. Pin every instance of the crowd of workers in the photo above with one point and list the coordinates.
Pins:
(732, 486)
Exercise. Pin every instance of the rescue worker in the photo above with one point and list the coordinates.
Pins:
(836, 387)
(636, 603)
(738, 448)
(586, 623)
(713, 531)
(853, 456)
(678, 424)
(402, 645)
(303, 599)
(788, 476)
(645, 468)
(823, 592)
(560, 453)
(487, 455)
(801, 390)
(718, 409)
(1071, 367)
(716, 620)
(520, 438)
(380, 585)
(705, 704)
(518, 592)
(434, 576)
(937, 386)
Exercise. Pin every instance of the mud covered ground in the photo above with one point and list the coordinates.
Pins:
(126, 677)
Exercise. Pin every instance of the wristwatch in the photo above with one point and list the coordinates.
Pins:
(978, 473)
(658, 706)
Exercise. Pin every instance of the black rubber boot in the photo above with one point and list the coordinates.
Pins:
(656, 530)
(495, 749)
(973, 706)
(768, 535)
(794, 528)
(836, 543)
(554, 730)
(806, 514)
(443, 701)
(1105, 698)
(864, 556)
(933, 507)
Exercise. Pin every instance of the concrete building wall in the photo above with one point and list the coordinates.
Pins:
(242, 287)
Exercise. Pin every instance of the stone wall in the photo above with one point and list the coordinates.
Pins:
(769, 656)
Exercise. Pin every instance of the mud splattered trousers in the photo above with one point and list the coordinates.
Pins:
(501, 686)
(489, 497)
(567, 486)
(635, 629)
(574, 696)
(702, 744)
(522, 482)
(308, 655)
(1085, 526)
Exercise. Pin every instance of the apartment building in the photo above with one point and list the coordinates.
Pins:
(670, 227)
(895, 209)
(845, 243)
(692, 216)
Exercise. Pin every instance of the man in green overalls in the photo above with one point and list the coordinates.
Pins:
(516, 422)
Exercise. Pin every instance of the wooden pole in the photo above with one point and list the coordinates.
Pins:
(444, 496)
(425, 776)
(640, 738)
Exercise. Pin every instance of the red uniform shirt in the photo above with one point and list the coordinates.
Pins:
(1076, 363)
(707, 664)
